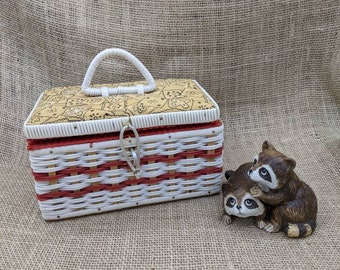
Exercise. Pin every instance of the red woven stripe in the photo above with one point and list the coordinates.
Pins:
(96, 188)
(122, 164)
(36, 144)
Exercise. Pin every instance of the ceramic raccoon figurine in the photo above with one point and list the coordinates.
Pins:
(294, 204)
(237, 200)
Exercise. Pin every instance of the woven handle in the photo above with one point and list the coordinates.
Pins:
(105, 91)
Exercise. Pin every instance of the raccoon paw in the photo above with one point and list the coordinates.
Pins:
(256, 191)
(226, 219)
(267, 226)
(272, 228)
(261, 224)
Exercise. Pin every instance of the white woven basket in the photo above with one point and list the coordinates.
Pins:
(140, 160)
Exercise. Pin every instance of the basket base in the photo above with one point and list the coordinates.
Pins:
(50, 217)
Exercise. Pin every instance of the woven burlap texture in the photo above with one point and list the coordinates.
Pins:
(274, 69)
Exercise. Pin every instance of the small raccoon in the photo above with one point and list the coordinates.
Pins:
(237, 200)
(293, 203)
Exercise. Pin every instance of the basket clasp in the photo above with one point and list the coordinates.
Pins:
(131, 151)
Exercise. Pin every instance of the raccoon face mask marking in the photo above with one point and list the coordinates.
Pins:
(263, 174)
(244, 207)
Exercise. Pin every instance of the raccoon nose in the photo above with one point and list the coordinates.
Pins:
(238, 207)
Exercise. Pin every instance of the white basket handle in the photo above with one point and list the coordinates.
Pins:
(105, 91)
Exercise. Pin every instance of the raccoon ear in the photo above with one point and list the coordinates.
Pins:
(267, 146)
(225, 188)
(290, 164)
(228, 173)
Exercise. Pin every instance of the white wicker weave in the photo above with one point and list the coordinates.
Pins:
(51, 162)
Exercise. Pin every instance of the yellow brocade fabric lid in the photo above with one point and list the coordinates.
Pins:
(67, 105)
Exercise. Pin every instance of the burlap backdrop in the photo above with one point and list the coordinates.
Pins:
(273, 67)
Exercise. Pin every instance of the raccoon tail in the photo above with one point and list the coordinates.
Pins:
(299, 230)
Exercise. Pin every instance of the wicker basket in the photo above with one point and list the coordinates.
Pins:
(116, 146)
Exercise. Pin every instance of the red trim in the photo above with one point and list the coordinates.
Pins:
(96, 188)
(122, 164)
(36, 144)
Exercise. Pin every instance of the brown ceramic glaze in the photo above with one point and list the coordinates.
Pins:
(294, 204)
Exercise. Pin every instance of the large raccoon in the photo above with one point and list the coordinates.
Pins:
(237, 200)
(294, 204)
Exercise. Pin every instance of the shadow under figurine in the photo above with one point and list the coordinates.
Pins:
(237, 199)
(293, 203)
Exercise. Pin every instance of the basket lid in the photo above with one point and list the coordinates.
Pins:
(70, 111)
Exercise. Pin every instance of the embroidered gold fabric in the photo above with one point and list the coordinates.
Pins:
(70, 104)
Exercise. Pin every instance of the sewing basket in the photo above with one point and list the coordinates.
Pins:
(105, 147)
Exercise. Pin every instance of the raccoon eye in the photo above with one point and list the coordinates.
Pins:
(248, 202)
(231, 202)
(251, 204)
(265, 174)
